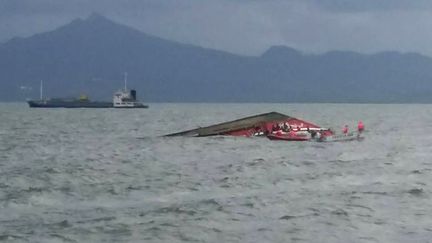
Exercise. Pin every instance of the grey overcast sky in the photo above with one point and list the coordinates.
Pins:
(245, 26)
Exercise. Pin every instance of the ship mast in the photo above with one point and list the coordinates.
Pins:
(41, 90)
(125, 81)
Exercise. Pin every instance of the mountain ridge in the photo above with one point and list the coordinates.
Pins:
(90, 55)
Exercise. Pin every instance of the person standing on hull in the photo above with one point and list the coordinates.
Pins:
(285, 127)
(360, 127)
(345, 130)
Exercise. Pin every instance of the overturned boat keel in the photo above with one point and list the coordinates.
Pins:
(274, 125)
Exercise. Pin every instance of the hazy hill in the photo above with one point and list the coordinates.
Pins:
(91, 56)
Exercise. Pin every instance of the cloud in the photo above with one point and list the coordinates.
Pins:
(244, 26)
(371, 5)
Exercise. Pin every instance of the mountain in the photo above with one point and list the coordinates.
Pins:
(91, 56)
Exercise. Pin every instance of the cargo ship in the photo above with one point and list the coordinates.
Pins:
(123, 98)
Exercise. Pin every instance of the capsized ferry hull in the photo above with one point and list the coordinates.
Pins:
(258, 125)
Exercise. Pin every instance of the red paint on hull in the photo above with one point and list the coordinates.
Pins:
(287, 137)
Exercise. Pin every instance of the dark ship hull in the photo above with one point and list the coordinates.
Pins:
(68, 104)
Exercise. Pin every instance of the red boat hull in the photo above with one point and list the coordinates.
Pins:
(286, 137)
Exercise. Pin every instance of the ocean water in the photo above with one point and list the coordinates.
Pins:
(106, 175)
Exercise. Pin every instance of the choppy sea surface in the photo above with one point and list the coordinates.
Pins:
(106, 175)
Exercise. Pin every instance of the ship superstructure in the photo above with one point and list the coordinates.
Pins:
(125, 98)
